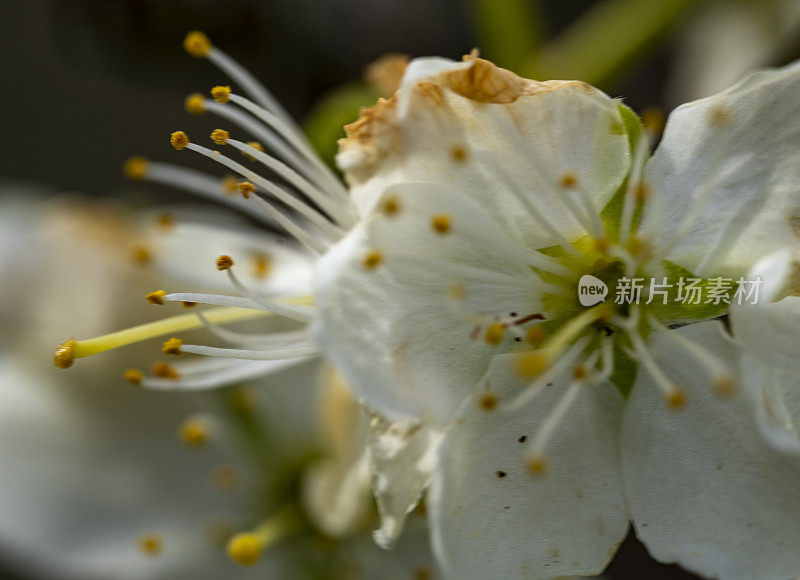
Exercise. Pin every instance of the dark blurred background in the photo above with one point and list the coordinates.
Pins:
(88, 83)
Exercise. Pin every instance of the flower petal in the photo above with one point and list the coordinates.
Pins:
(401, 460)
(460, 124)
(741, 147)
(704, 488)
(395, 330)
(491, 517)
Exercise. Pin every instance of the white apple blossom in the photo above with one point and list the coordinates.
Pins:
(540, 425)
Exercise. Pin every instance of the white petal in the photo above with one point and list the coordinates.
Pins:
(401, 340)
(704, 488)
(567, 521)
(462, 124)
(401, 461)
(741, 145)
(768, 332)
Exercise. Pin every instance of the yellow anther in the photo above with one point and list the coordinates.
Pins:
(441, 223)
(135, 167)
(197, 44)
(494, 333)
(224, 263)
(372, 260)
(220, 136)
(229, 185)
(172, 346)
(537, 464)
(156, 297)
(65, 354)
(165, 371)
(262, 264)
(165, 221)
(150, 544)
(390, 205)
(568, 180)
(134, 376)
(579, 372)
(141, 255)
(195, 104)
(724, 385)
(246, 189)
(653, 120)
(221, 94)
(245, 549)
(457, 292)
(535, 335)
(194, 432)
(488, 401)
(225, 478)
(532, 364)
(675, 398)
(458, 153)
(179, 140)
(719, 115)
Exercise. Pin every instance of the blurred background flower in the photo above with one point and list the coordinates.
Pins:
(96, 476)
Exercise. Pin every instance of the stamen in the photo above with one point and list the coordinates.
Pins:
(216, 372)
(634, 180)
(151, 544)
(555, 366)
(224, 263)
(201, 184)
(135, 167)
(441, 223)
(537, 462)
(494, 333)
(674, 397)
(156, 297)
(194, 432)
(165, 371)
(172, 346)
(134, 376)
(195, 104)
(279, 193)
(142, 255)
(287, 338)
(301, 303)
(723, 381)
(179, 140)
(272, 141)
(297, 140)
(299, 313)
(372, 260)
(221, 94)
(197, 44)
(339, 211)
(390, 205)
(289, 352)
(570, 183)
